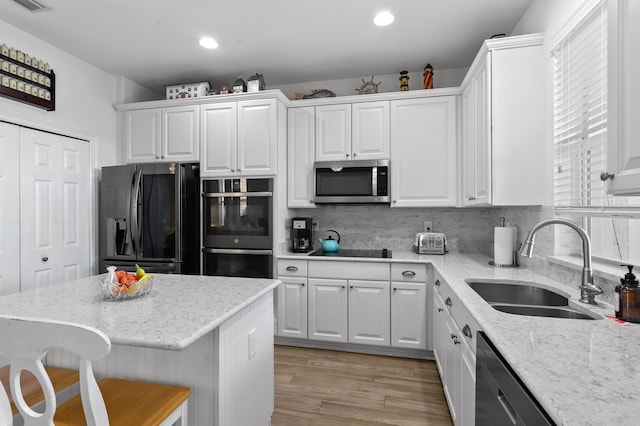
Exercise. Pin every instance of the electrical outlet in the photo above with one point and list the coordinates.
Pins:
(427, 226)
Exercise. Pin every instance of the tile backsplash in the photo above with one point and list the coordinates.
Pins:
(468, 230)
(373, 226)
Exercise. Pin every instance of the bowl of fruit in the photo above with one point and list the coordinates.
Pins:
(120, 284)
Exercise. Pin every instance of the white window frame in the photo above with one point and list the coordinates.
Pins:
(580, 130)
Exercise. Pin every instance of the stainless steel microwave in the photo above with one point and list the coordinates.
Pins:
(351, 182)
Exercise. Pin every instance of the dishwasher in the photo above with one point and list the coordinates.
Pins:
(501, 397)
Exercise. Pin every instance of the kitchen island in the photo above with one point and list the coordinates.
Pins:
(213, 334)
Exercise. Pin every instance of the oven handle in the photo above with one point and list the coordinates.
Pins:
(236, 194)
(236, 251)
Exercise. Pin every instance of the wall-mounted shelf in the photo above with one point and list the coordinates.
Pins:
(17, 82)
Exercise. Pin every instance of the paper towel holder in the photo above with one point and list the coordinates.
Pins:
(499, 265)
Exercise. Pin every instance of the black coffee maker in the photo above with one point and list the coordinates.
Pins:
(302, 234)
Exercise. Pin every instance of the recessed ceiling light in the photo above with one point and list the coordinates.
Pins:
(208, 43)
(383, 19)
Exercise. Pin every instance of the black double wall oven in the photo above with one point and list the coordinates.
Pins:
(238, 227)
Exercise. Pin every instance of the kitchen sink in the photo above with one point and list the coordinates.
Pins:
(517, 293)
(542, 311)
(521, 298)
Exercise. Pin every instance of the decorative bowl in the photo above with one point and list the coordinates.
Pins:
(116, 291)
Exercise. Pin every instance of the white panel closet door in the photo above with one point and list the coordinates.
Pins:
(9, 208)
(54, 203)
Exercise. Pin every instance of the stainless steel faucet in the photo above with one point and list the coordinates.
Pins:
(588, 289)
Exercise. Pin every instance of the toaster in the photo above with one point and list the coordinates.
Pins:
(430, 243)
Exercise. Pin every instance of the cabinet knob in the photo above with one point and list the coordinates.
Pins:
(354, 154)
(604, 176)
(239, 170)
(233, 171)
(44, 259)
(395, 289)
(395, 201)
(292, 268)
(439, 309)
(347, 155)
(350, 286)
(302, 284)
(157, 158)
(408, 273)
(437, 283)
(448, 301)
(466, 330)
(344, 287)
(471, 198)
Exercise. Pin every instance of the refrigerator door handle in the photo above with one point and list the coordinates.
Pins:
(135, 226)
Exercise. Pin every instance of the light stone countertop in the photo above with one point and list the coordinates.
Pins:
(178, 310)
(583, 372)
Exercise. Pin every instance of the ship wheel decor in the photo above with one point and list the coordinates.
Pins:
(368, 87)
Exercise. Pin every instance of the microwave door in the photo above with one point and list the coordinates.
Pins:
(157, 210)
(115, 220)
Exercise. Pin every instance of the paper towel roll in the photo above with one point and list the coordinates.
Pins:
(504, 244)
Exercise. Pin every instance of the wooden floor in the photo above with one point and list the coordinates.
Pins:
(323, 388)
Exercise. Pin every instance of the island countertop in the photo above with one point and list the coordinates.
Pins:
(179, 309)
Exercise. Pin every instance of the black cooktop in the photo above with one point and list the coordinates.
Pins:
(380, 253)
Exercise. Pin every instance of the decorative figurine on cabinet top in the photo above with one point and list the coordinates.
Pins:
(368, 87)
(428, 77)
(404, 81)
(256, 83)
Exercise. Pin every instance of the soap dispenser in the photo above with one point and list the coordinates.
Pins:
(628, 297)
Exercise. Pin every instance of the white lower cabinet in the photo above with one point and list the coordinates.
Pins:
(454, 352)
(292, 314)
(409, 308)
(328, 310)
(369, 303)
(291, 299)
(369, 312)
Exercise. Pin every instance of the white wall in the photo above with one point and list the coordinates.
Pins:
(85, 98)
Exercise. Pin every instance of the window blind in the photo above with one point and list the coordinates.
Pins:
(580, 113)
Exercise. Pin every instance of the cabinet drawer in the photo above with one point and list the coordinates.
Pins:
(409, 272)
(350, 270)
(292, 268)
(464, 320)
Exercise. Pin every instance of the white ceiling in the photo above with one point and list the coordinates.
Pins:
(155, 42)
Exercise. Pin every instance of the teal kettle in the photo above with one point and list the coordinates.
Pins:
(330, 244)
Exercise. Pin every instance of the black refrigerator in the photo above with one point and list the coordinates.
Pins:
(149, 214)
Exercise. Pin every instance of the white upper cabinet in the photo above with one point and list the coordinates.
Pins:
(239, 138)
(370, 130)
(162, 134)
(333, 132)
(257, 137)
(502, 122)
(300, 156)
(358, 131)
(623, 156)
(142, 135)
(476, 138)
(219, 139)
(424, 152)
